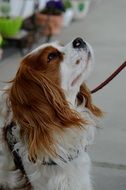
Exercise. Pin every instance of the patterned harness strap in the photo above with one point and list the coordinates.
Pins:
(11, 140)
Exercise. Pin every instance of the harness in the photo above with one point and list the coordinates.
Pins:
(11, 141)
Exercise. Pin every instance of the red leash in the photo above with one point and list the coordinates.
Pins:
(112, 76)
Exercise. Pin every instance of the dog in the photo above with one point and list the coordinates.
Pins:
(48, 119)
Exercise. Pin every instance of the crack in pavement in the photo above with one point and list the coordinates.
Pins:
(109, 165)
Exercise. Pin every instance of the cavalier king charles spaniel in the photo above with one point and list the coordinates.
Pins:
(47, 120)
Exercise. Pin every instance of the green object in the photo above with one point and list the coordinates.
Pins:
(1, 40)
(10, 26)
(67, 4)
(81, 7)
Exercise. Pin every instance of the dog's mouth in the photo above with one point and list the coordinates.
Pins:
(79, 76)
(76, 80)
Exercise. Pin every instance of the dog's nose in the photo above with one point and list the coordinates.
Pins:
(79, 43)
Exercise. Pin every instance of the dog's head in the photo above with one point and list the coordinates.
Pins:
(49, 80)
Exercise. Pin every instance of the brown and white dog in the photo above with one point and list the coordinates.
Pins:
(48, 119)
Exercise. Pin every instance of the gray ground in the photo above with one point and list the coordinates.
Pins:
(105, 28)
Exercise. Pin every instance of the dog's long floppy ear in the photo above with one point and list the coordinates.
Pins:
(40, 108)
(85, 92)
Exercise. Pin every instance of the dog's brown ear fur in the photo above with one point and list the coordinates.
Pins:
(85, 92)
(41, 110)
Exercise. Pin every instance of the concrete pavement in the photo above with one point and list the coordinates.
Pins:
(105, 28)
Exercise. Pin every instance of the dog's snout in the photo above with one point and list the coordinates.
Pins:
(79, 43)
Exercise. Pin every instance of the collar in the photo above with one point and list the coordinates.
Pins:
(69, 158)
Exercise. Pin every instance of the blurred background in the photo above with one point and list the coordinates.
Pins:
(26, 24)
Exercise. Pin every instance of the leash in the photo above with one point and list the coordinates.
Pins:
(112, 76)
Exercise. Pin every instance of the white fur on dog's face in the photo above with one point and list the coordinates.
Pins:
(76, 66)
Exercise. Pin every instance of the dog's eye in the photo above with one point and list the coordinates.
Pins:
(52, 56)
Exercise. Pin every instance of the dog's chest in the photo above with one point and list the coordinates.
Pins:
(68, 170)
